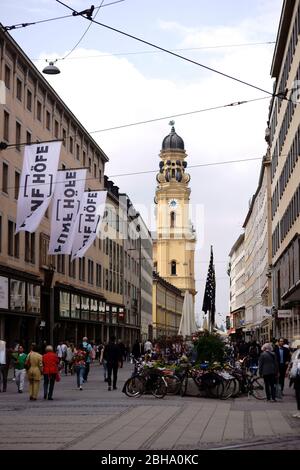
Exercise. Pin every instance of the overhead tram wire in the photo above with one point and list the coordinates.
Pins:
(116, 54)
(24, 25)
(168, 51)
(149, 121)
(137, 173)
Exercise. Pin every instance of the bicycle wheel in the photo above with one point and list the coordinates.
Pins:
(173, 384)
(183, 386)
(258, 389)
(134, 387)
(215, 391)
(229, 389)
(159, 388)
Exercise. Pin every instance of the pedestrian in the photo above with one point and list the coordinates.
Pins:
(294, 374)
(103, 361)
(254, 352)
(136, 350)
(34, 366)
(86, 346)
(123, 352)
(283, 358)
(68, 359)
(5, 357)
(112, 354)
(50, 371)
(20, 369)
(268, 369)
(79, 365)
(148, 347)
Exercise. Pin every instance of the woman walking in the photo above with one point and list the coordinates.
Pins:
(268, 369)
(50, 370)
(79, 365)
(34, 365)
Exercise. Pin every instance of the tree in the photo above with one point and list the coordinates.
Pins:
(210, 347)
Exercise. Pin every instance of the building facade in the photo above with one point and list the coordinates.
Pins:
(237, 288)
(45, 297)
(284, 141)
(258, 260)
(167, 308)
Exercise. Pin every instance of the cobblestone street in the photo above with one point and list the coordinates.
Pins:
(95, 419)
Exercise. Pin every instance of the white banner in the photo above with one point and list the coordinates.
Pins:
(37, 183)
(88, 220)
(284, 314)
(69, 191)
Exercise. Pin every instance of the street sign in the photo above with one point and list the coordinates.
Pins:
(284, 313)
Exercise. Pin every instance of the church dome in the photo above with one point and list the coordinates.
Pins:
(173, 141)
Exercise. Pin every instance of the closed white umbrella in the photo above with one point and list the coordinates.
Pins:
(187, 323)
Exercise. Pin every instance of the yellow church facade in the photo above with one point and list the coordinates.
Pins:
(175, 241)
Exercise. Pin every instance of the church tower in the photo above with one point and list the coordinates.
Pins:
(174, 247)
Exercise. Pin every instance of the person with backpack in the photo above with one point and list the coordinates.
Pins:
(254, 353)
(86, 346)
(112, 354)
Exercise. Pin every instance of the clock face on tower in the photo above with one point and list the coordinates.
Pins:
(173, 203)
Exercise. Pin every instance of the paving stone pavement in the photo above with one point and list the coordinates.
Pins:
(96, 419)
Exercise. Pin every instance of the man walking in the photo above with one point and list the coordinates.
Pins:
(283, 358)
(86, 346)
(20, 369)
(112, 354)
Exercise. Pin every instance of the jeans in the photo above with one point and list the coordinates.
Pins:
(112, 367)
(80, 370)
(20, 378)
(86, 371)
(282, 372)
(3, 376)
(270, 386)
(49, 381)
(105, 369)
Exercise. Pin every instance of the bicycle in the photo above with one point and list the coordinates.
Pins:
(146, 380)
(209, 382)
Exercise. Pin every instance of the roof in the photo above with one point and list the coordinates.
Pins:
(237, 244)
(282, 35)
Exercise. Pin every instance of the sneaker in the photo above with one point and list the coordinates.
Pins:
(50, 398)
(109, 389)
(80, 388)
(20, 391)
(274, 401)
(296, 415)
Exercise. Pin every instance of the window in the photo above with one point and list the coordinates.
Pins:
(90, 271)
(18, 136)
(98, 274)
(10, 238)
(77, 152)
(39, 110)
(173, 268)
(72, 268)
(29, 100)
(6, 126)
(100, 176)
(17, 184)
(7, 75)
(83, 158)
(30, 247)
(90, 165)
(0, 233)
(173, 219)
(28, 137)
(95, 170)
(5, 177)
(56, 128)
(64, 136)
(48, 119)
(71, 145)
(61, 264)
(82, 269)
(19, 89)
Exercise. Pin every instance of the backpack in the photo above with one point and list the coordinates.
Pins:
(295, 370)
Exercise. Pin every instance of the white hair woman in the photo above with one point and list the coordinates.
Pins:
(268, 369)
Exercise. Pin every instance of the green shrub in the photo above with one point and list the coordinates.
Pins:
(210, 348)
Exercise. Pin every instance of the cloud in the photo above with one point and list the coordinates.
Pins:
(110, 91)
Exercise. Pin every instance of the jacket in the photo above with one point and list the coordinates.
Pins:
(286, 355)
(267, 364)
(50, 363)
(112, 353)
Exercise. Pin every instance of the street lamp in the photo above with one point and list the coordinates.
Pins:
(51, 69)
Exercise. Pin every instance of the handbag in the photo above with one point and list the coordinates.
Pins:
(57, 377)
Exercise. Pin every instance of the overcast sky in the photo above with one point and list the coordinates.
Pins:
(122, 88)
